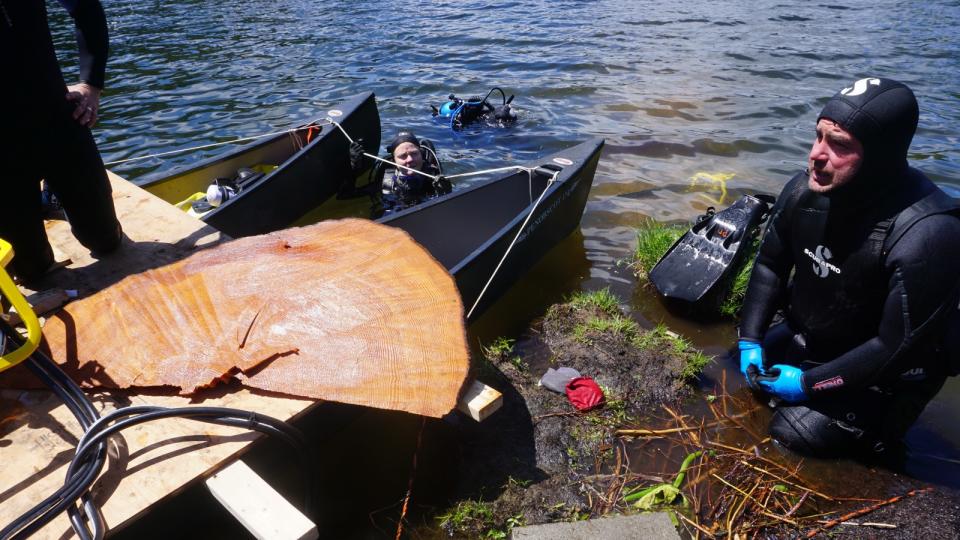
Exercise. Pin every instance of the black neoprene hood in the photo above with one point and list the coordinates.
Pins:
(881, 113)
(402, 137)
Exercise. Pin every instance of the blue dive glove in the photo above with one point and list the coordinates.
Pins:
(783, 381)
(751, 354)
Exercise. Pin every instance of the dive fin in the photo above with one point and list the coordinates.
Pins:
(706, 258)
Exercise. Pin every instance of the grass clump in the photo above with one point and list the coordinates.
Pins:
(500, 349)
(660, 338)
(730, 307)
(468, 517)
(477, 519)
(603, 300)
(653, 240)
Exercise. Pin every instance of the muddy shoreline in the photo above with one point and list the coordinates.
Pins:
(538, 460)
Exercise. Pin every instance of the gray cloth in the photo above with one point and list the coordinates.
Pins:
(557, 379)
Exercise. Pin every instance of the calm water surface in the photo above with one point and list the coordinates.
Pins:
(698, 101)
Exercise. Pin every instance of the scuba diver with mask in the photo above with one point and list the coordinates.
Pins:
(414, 176)
(860, 255)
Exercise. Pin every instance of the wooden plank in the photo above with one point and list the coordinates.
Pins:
(155, 234)
(42, 302)
(151, 461)
(256, 505)
(480, 401)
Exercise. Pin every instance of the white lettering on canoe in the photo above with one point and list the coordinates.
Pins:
(535, 222)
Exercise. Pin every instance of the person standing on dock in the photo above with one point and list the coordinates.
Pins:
(50, 134)
(861, 256)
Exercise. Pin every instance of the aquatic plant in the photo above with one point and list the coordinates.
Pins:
(646, 498)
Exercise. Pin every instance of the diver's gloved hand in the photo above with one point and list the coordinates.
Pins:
(751, 354)
(442, 186)
(356, 156)
(783, 381)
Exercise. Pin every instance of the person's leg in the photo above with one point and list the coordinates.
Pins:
(78, 178)
(21, 222)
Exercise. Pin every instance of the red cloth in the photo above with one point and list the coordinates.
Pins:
(584, 393)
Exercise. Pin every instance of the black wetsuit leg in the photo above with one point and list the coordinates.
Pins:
(76, 174)
(48, 143)
(21, 220)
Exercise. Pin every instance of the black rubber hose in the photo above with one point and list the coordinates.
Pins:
(81, 475)
(82, 409)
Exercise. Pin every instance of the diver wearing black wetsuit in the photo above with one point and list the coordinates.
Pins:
(875, 277)
(45, 141)
(390, 189)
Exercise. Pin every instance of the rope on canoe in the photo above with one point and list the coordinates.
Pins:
(430, 176)
(514, 241)
(213, 145)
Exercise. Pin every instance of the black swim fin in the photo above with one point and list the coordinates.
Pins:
(703, 262)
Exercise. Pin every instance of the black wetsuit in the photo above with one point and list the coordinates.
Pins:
(46, 142)
(865, 295)
(398, 192)
(857, 318)
(390, 192)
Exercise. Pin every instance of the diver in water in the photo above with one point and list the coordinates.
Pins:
(414, 176)
(870, 310)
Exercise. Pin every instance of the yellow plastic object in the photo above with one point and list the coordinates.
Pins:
(187, 203)
(29, 318)
(265, 168)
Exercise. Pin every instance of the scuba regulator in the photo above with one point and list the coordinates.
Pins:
(462, 112)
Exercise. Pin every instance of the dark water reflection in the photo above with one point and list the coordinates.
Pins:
(699, 102)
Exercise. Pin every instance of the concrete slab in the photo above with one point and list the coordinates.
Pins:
(654, 526)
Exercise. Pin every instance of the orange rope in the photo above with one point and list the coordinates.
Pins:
(413, 473)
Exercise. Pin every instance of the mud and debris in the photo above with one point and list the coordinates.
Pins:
(538, 460)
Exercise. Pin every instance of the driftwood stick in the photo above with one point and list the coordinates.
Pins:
(695, 525)
(857, 513)
(667, 431)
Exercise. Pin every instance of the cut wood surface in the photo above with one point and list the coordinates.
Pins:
(154, 460)
(345, 310)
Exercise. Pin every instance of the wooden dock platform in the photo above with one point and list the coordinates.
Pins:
(151, 461)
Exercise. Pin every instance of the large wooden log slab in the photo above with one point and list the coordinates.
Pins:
(347, 310)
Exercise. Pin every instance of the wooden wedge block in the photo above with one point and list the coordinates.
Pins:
(480, 401)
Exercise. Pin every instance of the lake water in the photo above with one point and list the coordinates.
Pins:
(699, 102)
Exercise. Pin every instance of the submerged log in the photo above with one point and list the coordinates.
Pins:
(346, 311)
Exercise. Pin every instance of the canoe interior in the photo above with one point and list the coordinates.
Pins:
(273, 151)
(308, 166)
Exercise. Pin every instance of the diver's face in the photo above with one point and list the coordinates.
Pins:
(408, 155)
(835, 158)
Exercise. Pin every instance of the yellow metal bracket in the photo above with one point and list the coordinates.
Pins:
(29, 318)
